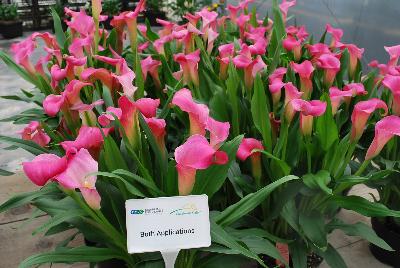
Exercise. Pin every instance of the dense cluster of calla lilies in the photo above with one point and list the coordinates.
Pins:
(194, 95)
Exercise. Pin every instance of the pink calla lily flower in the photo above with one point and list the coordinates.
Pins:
(90, 138)
(355, 55)
(76, 176)
(291, 93)
(308, 110)
(157, 127)
(189, 65)
(198, 113)
(290, 43)
(394, 53)
(167, 27)
(318, 49)
(336, 35)
(219, 132)
(284, 7)
(251, 67)
(393, 83)
(44, 167)
(246, 150)
(105, 76)
(105, 119)
(225, 55)
(305, 71)
(276, 84)
(337, 96)
(151, 66)
(196, 153)
(331, 65)
(33, 132)
(233, 12)
(385, 129)
(362, 111)
(57, 74)
(22, 51)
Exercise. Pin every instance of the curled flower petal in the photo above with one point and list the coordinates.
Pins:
(43, 168)
(385, 129)
(246, 148)
(362, 111)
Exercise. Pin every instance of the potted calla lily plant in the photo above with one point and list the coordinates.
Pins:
(271, 126)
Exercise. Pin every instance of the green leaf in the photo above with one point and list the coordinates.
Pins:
(363, 206)
(232, 84)
(131, 189)
(326, 129)
(313, 225)
(60, 36)
(148, 184)
(71, 255)
(220, 236)
(222, 260)
(209, 181)
(18, 69)
(282, 164)
(359, 229)
(5, 172)
(152, 36)
(318, 181)
(60, 218)
(112, 155)
(259, 245)
(260, 112)
(139, 79)
(25, 198)
(298, 251)
(250, 202)
(160, 156)
(332, 257)
(28, 146)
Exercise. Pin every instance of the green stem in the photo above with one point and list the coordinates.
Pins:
(347, 159)
(362, 167)
(309, 156)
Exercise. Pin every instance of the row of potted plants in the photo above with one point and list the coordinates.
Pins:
(272, 125)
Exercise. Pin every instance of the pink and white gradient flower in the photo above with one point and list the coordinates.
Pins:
(34, 132)
(305, 71)
(336, 35)
(308, 110)
(196, 153)
(331, 66)
(71, 171)
(362, 111)
(151, 66)
(393, 83)
(198, 113)
(385, 129)
(189, 65)
(246, 150)
(337, 97)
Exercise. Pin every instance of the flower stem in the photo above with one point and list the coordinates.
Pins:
(362, 167)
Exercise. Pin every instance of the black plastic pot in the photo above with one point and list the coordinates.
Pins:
(387, 229)
(11, 29)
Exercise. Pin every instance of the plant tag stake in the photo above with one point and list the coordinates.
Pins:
(167, 224)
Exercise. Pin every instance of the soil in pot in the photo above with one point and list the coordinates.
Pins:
(11, 29)
(389, 231)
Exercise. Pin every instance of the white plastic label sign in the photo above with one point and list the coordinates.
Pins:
(167, 224)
